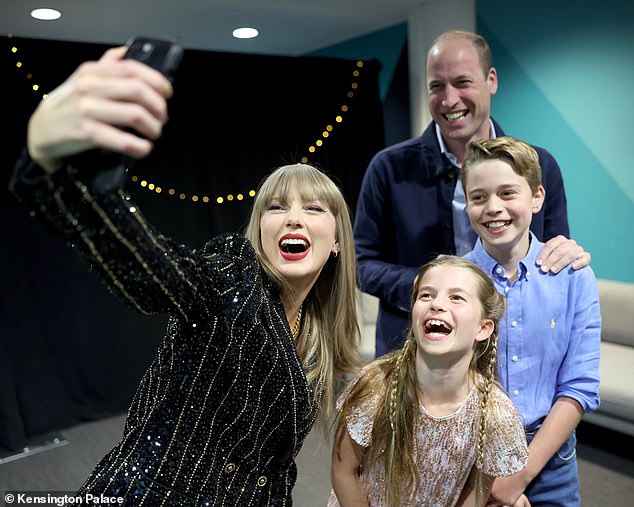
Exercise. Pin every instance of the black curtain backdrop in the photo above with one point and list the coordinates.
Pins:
(70, 351)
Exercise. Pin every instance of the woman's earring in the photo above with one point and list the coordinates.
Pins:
(335, 254)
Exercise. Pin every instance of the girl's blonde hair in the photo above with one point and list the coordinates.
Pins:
(393, 433)
(327, 344)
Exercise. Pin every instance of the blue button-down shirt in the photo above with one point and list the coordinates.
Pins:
(550, 337)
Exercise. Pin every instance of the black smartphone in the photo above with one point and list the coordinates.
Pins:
(163, 55)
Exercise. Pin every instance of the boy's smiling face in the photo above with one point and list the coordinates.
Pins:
(500, 205)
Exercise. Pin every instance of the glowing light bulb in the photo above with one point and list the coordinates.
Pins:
(46, 14)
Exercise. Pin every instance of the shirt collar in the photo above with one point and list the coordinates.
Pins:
(443, 147)
(490, 265)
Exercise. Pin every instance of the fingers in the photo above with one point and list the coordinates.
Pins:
(522, 502)
(546, 258)
(560, 252)
(114, 54)
(583, 261)
(95, 106)
(121, 101)
(135, 68)
(124, 80)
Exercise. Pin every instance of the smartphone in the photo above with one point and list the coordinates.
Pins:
(163, 55)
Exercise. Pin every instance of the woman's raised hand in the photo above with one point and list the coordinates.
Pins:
(93, 106)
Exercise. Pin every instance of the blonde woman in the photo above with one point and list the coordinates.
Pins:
(261, 325)
(428, 425)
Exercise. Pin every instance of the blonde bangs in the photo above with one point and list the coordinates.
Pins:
(309, 182)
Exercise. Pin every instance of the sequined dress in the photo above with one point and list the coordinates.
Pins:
(445, 448)
(223, 409)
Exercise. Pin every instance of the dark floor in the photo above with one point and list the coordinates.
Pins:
(606, 465)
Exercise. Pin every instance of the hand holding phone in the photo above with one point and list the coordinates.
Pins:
(109, 168)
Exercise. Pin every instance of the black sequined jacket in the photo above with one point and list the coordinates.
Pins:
(225, 406)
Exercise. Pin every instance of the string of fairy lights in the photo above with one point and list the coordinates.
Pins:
(153, 186)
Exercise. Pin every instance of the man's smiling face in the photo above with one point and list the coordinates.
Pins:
(459, 92)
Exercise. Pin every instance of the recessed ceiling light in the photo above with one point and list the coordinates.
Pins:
(245, 33)
(46, 14)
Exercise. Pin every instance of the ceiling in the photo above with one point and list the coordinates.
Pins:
(287, 27)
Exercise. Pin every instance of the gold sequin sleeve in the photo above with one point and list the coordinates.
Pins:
(151, 273)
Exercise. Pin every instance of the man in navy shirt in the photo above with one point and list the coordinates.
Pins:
(411, 204)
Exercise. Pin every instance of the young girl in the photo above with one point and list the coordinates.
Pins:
(428, 424)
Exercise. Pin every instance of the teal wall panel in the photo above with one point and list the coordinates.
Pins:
(566, 74)
(384, 45)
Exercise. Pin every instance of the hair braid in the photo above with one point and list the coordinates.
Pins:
(399, 466)
(394, 387)
(485, 389)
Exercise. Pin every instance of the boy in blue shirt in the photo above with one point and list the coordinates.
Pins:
(550, 337)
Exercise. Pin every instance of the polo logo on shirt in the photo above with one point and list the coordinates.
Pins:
(552, 323)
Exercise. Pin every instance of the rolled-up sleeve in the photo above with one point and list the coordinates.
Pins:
(579, 373)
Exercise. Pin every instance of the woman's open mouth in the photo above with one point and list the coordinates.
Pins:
(293, 247)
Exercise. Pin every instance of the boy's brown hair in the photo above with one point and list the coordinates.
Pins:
(521, 156)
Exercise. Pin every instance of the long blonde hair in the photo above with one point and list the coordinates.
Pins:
(327, 344)
(394, 375)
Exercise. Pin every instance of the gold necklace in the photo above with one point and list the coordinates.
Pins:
(298, 323)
